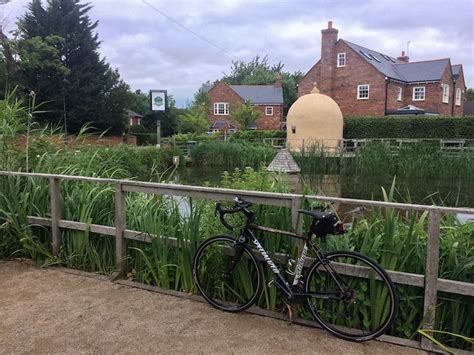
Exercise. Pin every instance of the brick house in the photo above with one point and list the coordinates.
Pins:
(134, 119)
(366, 82)
(267, 99)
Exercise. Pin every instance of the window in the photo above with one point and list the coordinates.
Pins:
(445, 93)
(399, 93)
(375, 58)
(458, 97)
(365, 54)
(269, 110)
(131, 121)
(221, 108)
(362, 92)
(341, 60)
(419, 93)
(293, 129)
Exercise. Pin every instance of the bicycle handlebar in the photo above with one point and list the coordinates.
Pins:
(240, 204)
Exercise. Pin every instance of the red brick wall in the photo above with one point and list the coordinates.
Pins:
(458, 110)
(269, 122)
(328, 61)
(307, 83)
(221, 92)
(346, 79)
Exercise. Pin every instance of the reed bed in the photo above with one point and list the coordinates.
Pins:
(396, 240)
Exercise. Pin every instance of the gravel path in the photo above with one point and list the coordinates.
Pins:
(50, 311)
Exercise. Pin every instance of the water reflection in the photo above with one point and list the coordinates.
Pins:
(446, 192)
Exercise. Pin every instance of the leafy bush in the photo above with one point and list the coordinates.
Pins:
(409, 127)
(232, 154)
(250, 135)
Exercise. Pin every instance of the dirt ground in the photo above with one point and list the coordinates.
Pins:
(51, 311)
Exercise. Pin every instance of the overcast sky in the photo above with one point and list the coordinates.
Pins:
(153, 52)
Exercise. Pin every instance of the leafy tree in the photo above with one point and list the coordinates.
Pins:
(168, 119)
(259, 72)
(195, 118)
(245, 115)
(470, 94)
(140, 102)
(76, 76)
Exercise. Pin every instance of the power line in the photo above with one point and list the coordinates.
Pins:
(230, 55)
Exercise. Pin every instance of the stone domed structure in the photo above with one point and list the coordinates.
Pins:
(314, 119)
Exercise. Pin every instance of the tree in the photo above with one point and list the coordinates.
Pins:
(168, 119)
(470, 94)
(140, 102)
(195, 119)
(245, 115)
(77, 79)
(259, 72)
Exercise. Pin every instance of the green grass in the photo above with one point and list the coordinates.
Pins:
(396, 240)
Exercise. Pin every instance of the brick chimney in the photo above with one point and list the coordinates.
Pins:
(328, 59)
(404, 58)
(278, 80)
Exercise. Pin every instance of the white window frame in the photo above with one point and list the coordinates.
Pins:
(131, 121)
(359, 97)
(458, 97)
(225, 108)
(399, 93)
(415, 92)
(266, 110)
(341, 57)
(445, 97)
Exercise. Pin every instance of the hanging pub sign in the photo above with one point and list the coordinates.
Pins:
(158, 100)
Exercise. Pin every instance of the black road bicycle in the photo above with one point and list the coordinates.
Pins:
(350, 295)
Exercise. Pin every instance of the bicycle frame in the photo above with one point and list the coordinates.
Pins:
(292, 290)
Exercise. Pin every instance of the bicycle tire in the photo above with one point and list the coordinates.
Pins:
(369, 317)
(232, 291)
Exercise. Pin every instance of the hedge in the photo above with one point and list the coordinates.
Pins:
(409, 127)
(258, 134)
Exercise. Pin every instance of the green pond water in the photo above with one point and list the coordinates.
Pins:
(447, 192)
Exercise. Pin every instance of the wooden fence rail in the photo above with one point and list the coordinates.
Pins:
(430, 281)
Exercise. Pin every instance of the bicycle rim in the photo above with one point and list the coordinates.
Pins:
(367, 305)
(227, 274)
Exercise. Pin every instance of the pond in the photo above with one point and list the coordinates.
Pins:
(447, 192)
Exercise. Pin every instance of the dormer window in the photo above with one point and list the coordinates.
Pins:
(341, 60)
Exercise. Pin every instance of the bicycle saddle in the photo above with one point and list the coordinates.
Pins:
(316, 214)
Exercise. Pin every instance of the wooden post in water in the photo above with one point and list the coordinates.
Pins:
(120, 251)
(55, 214)
(431, 275)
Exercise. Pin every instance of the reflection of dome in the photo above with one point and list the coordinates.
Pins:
(314, 119)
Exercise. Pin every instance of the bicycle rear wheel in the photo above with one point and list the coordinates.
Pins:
(227, 274)
(365, 308)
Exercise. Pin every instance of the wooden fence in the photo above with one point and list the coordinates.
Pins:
(430, 281)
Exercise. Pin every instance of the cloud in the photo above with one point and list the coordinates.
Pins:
(153, 51)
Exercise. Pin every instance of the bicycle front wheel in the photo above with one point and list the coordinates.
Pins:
(357, 299)
(227, 274)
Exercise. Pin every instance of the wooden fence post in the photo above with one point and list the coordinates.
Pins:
(54, 191)
(120, 251)
(297, 222)
(431, 275)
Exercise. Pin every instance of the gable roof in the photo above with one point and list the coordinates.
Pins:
(430, 70)
(259, 94)
(456, 68)
(133, 114)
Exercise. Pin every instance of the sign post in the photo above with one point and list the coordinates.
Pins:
(158, 104)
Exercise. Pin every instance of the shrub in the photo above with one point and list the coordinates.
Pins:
(250, 134)
(409, 127)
